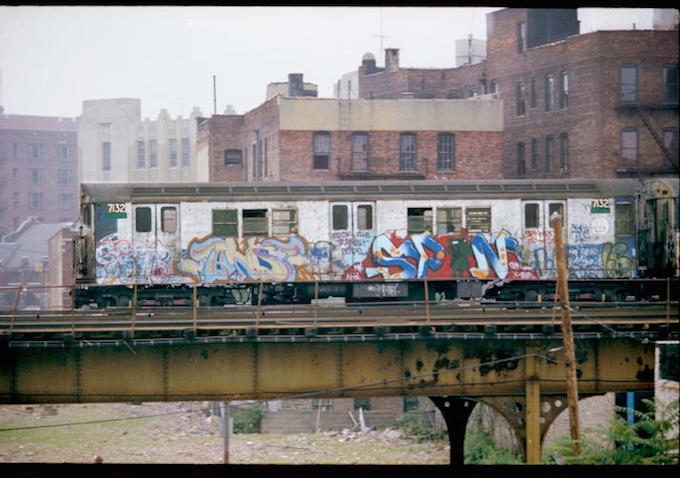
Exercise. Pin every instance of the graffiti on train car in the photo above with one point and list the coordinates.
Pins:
(229, 259)
(445, 256)
(123, 261)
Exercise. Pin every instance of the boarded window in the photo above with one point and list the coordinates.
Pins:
(225, 222)
(255, 222)
(531, 216)
(169, 219)
(284, 222)
(340, 217)
(624, 219)
(143, 219)
(322, 150)
(419, 220)
(449, 220)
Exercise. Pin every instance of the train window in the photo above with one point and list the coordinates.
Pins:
(169, 219)
(555, 207)
(623, 213)
(365, 217)
(449, 220)
(143, 219)
(419, 220)
(531, 215)
(225, 223)
(340, 217)
(255, 223)
(284, 221)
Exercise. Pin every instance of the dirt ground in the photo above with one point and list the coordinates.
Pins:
(182, 432)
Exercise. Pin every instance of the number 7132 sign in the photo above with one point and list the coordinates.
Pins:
(116, 210)
(599, 205)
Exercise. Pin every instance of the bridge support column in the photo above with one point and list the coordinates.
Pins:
(456, 412)
(533, 421)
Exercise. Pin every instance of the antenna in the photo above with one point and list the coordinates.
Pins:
(381, 36)
(214, 96)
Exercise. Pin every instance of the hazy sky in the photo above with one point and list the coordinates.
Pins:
(54, 58)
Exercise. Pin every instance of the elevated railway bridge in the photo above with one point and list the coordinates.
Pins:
(509, 355)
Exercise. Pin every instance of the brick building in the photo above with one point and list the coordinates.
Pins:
(600, 104)
(38, 170)
(293, 138)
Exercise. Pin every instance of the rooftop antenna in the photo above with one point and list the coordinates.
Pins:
(381, 36)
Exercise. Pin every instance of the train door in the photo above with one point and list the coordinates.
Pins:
(155, 240)
(538, 237)
(352, 229)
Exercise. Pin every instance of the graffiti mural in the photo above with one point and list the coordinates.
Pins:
(229, 259)
(122, 261)
(589, 261)
(446, 256)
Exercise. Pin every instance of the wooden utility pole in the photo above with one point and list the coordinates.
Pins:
(572, 384)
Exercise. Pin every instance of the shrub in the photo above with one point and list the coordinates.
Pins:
(247, 419)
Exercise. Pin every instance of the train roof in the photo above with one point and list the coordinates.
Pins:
(365, 190)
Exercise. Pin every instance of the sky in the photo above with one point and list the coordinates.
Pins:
(54, 58)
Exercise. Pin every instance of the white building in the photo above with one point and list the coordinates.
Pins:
(114, 144)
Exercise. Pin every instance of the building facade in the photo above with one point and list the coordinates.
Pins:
(323, 139)
(114, 144)
(600, 104)
(38, 170)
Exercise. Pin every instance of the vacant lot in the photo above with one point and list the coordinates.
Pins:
(182, 433)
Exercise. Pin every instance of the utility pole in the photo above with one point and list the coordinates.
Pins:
(226, 427)
(567, 336)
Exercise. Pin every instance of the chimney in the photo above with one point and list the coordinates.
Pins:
(391, 59)
(295, 85)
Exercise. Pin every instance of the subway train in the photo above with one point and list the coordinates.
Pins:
(222, 244)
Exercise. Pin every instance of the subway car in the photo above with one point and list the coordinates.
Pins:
(222, 244)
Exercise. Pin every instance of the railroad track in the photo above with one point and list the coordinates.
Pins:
(348, 319)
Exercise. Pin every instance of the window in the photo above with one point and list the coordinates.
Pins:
(564, 152)
(549, 90)
(64, 152)
(64, 176)
(446, 148)
(36, 150)
(363, 403)
(169, 219)
(15, 199)
(35, 200)
(225, 222)
(16, 150)
(284, 222)
(531, 215)
(359, 152)
(521, 99)
(670, 83)
(106, 156)
(232, 157)
(629, 145)
(255, 223)
(153, 154)
(534, 154)
(521, 37)
(521, 160)
(324, 404)
(629, 83)
(533, 92)
(549, 154)
(419, 220)
(564, 89)
(407, 152)
(65, 201)
(493, 86)
(340, 217)
(449, 220)
(322, 150)
(35, 176)
(670, 141)
(172, 152)
(143, 219)
(364, 217)
(623, 218)
(410, 403)
(141, 154)
(186, 152)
